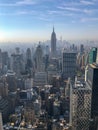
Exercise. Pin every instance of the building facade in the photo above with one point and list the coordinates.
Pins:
(68, 64)
(92, 82)
(1, 124)
(92, 55)
(39, 66)
(53, 43)
(28, 83)
(40, 79)
(80, 106)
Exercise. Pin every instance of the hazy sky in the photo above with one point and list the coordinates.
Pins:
(33, 20)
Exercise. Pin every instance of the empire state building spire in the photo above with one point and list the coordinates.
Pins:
(53, 43)
(53, 28)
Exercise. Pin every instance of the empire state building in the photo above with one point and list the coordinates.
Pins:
(53, 43)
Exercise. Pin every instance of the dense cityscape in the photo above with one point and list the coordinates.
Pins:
(48, 64)
(49, 86)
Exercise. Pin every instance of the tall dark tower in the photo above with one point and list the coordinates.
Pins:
(92, 82)
(28, 61)
(53, 43)
(28, 54)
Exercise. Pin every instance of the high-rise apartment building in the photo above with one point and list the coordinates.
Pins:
(4, 108)
(1, 124)
(92, 55)
(28, 54)
(3, 88)
(11, 81)
(5, 61)
(80, 106)
(0, 59)
(39, 66)
(53, 43)
(92, 82)
(29, 65)
(47, 50)
(40, 79)
(17, 64)
(68, 64)
(28, 83)
(81, 49)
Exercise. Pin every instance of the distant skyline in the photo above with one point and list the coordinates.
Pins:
(33, 20)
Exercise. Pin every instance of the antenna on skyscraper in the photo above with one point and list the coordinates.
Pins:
(53, 28)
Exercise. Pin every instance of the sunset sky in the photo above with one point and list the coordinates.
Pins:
(33, 20)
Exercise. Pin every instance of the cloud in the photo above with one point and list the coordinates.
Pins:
(20, 12)
(25, 12)
(45, 19)
(79, 3)
(70, 11)
(26, 2)
(7, 14)
(53, 12)
(77, 10)
(19, 3)
(73, 9)
(70, 3)
(89, 12)
(7, 5)
(89, 19)
(85, 2)
(59, 13)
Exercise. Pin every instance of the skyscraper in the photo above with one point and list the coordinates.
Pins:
(92, 55)
(97, 57)
(92, 82)
(11, 81)
(28, 66)
(53, 43)
(80, 106)
(81, 49)
(28, 54)
(1, 124)
(39, 59)
(68, 64)
(3, 88)
(17, 63)
(0, 59)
